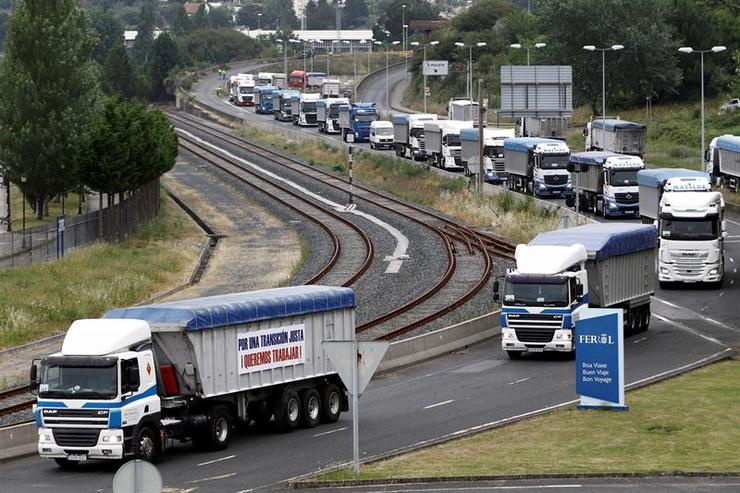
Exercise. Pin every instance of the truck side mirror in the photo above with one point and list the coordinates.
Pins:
(571, 168)
(585, 132)
(33, 376)
(130, 379)
(579, 290)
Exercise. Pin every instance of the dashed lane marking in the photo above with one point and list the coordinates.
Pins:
(444, 403)
(329, 432)
(519, 381)
(212, 478)
(216, 460)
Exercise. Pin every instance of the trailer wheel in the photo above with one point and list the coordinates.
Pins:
(66, 463)
(287, 410)
(310, 408)
(147, 444)
(331, 403)
(646, 325)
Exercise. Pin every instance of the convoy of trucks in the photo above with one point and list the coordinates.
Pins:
(690, 221)
(606, 182)
(327, 114)
(355, 120)
(143, 377)
(443, 146)
(722, 161)
(615, 135)
(493, 152)
(408, 135)
(537, 166)
(558, 273)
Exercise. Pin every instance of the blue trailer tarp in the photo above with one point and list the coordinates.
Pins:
(525, 144)
(469, 134)
(603, 240)
(241, 308)
(613, 124)
(592, 158)
(655, 178)
(729, 143)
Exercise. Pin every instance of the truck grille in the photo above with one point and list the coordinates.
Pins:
(75, 417)
(627, 198)
(689, 263)
(75, 437)
(310, 118)
(422, 146)
(535, 335)
(531, 327)
(555, 179)
(456, 153)
(499, 167)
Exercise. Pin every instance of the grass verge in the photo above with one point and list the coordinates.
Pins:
(689, 423)
(40, 300)
(506, 214)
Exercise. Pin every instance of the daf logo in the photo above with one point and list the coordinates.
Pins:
(50, 411)
(688, 254)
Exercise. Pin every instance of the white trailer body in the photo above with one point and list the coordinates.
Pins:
(314, 79)
(463, 110)
(280, 81)
(549, 127)
(615, 135)
(330, 88)
(493, 151)
(186, 370)
(327, 114)
(443, 143)
(264, 79)
(408, 134)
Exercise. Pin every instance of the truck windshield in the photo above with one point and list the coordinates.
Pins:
(246, 90)
(334, 110)
(383, 131)
(307, 106)
(704, 228)
(366, 118)
(554, 162)
(624, 178)
(494, 151)
(520, 293)
(417, 133)
(60, 380)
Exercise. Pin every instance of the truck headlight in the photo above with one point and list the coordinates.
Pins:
(611, 205)
(663, 270)
(111, 436)
(542, 185)
(45, 436)
(569, 185)
(713, 272)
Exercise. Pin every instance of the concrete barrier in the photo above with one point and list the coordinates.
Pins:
(18, 440)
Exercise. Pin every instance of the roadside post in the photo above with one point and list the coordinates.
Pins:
(351, 186)
(60, 236)
(356, 362)
(600, 359)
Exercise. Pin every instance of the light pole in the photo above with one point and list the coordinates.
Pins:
(403, 26)
(469, 88)
(23, 190)
(284, 47)
(313, 52)
(603, 81)
(405, 47)
(424, 68)
(689, 50)
(363, 42)
(258, 21)
(304, 58)
(518, 46)
(6, 181)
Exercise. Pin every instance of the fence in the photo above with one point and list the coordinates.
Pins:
(113, 223)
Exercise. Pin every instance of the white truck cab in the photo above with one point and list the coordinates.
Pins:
(381, 135)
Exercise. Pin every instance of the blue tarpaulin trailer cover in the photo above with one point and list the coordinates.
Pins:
(241, 308)
(729, 143)
(655, 178)
(613, 124)
(603, 240)
(524, 144)
(592, 158)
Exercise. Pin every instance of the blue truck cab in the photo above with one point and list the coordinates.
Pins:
(263, 98)
(355, 120)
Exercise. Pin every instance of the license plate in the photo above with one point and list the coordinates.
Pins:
(556, 192)
(537, 349)
(79, 457)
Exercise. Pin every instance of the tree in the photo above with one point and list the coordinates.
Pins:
(355, 14)
(392, 19)
(118, 76)
(200, 18)
(482, 16)
(48, 94)
(279, 14)
(163, 58)
(214, 46)
(145, 33)
(109, 29)
(320, 15)
(181, 24)
(220, 17)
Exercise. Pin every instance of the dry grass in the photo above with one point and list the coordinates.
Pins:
(690, 423)
(42, 299)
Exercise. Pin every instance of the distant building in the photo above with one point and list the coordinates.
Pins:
(130, 36)
(326, 39)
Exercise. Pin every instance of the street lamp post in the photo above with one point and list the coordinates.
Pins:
(304, 58)
(689, 50)
(258, 21)
(6, 180)
(23, 190)
(603, 81)
(423, 68)
(284, 46)
(518, 46)
(470, 65)
(405, 46)
(403, 26)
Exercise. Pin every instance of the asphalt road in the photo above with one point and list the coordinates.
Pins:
(460, 392)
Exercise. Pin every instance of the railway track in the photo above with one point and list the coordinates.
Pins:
(469, 252)
(13, 401)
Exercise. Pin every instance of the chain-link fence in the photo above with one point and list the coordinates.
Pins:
(112, 223)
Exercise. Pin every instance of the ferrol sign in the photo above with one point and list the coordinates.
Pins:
(600, 358)
(436, 67)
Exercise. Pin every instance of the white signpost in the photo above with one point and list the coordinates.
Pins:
(356, 362)
(436, 67)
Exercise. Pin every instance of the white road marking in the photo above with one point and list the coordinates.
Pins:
(329, 432)
(688, 329)
(722, 293)
(708, 319)
(402, 242)
(212, 478)
(440, 404)
(216, 460)
(640, 340)
(732, 259)
(519, 381)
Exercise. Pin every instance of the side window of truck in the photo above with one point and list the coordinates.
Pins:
(134, 380)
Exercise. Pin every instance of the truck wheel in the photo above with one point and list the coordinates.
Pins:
(372, 146)
(514, 354)
(331, 403)
(216, 435)
(147, 444)
(646, 325)
(66, 463)
(310, 408)
(287, 411)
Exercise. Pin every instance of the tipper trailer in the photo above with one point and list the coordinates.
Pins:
(408, 135)
(615, 135)
(723, 161)
(561, 272)
(537, 166)
(327, 114)
(493, 152)
(140, 377)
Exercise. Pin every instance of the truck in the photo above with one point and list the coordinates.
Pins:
(303, 108)
(690, 221)
(297, 79)
(463, 109)
(327, 114)
(355, 120)
(280, 81)
(442, 139)
(548, 127)
(493, 152)
(314, 79)
(330, 88)
(607, 182)
(244, 93)
(234, 82)
(281, 107)
(381, 135)
(615, 135)
(263, 99)
(408, 134)
(538, 166)
(264, 79)
(561, 272)
(722, 160)
(140, 378)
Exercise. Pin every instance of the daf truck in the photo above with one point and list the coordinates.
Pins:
(722, 160)
(607, 182)
(537, 166)
(141, 378)
(602, 265)
(355, 120)
(408, 135)
(493, 152)
(442, 138)
(327, 114)
(652, 183)
(615, 135)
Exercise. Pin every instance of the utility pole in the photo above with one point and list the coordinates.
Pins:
(481, 119)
